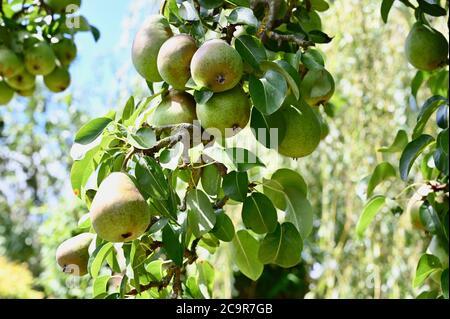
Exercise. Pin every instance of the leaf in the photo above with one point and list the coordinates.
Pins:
(444, 283)
(369, 212)
(95, 33)
(188, 12)
(411, 152)
(299, 211)
(432, 9)
(382, 172)
(442, 117)
(400, 142)
(211, 179)
(259, 214)
(81, 170)
(428, 108)
(170, 158)
(205, 278)
(426, 266)
(151, 179)
(269, 130)
(97, 259)
(318, 36)
(283, 247)
(91, 130)
(127, 110)
(172, 245)
(269, 92)
(100, 285)
(244, 159)
(235, 185)
(281, 180)
(201, 216)
(319, 5)
(224, 228)
(386, 6)
(242, 15)
(313, 59)
(203, 96)
(220, 155)
(441, 161)
(428, 295)
(442, 141)
(144, 138)
(291, 75)
(245, 255)
(251, 50)
(416, 83)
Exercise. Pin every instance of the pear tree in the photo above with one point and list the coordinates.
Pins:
(159, 178)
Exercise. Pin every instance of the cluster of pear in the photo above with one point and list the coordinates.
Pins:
(426, 48)
(37, 57)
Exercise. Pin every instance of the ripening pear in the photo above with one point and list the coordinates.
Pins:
(65, 50)
(119, 212)
(303, 131)
(61, 5)
(147, 42)
(227, 110)
(317, 87)
(211, 4)
(26, 93)
(217, 66)
(6, 93)
(21, 81)
(10, 63)
(415, 203)
(73, 254)
(175, 108)
(426, 48)
(58, 80)
(174, 60)
(40, 59)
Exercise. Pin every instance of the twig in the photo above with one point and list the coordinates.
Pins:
(298, 39)
(155, 284)
(221, 203)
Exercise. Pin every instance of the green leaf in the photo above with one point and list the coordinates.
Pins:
(242, 15)
(386, 6)
(428, 295)
(428, 108)
(282, 247)
(299, 211)
(290, 74)
(245, 255)
(313, 59)
(95, 33)
(91, 130)
(224, 228)
(400, 142)
(319, 5)
(244, 159)
(201, 216)
(127, 110)
(144, 138)
(251, 50)
(426, 266)
(142, 105)
(100, 285)
(417, 82)
(442, 117)
(220, 155)
(318, 36)
(382, 172)
(81, 171)
(369, 212)
(269, 130)
(203, 96)
(205, 278)
(432, 9)
(97, 259)
(441, 161)
(211, 179)
(269, 92)
(442, 141)
(259, 214)
(235, 185)
(281, 180)
(444, 283)
(170, 158)
(172, 245)
(151, 179)
(411, 152)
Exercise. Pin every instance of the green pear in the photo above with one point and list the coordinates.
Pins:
(6, 93)
(174, 60)
(426, 48)
(211, 4)
(217, 66)
(21, 81)
(119, 212)
(40, 59)
(61, 5)
(73, 254)
(65, 50)
(317, 87)
(58, 80)
(10, 63)
(147, 42)
(26, 93)
(175, 108)
(303, 131)
(227, 112)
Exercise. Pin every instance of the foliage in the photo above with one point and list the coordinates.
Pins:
(17, 276)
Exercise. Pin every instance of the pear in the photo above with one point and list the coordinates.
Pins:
(174, 60)
(65, 50)
(317, 87)
(21, 81)
(10, 63)
(426, 48)
(119, 212)
(40, 59)
(147, 42)
(217, 66)
(6, 93)
(61, 5)
(175, 108)
(73, 254)
(27, 92)
(58, 80)
(303, 131)
(227, 112)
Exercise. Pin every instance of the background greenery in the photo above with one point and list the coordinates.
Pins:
(372, 101)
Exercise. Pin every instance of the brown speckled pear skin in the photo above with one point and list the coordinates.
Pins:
(73, 256)
(119, 212)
